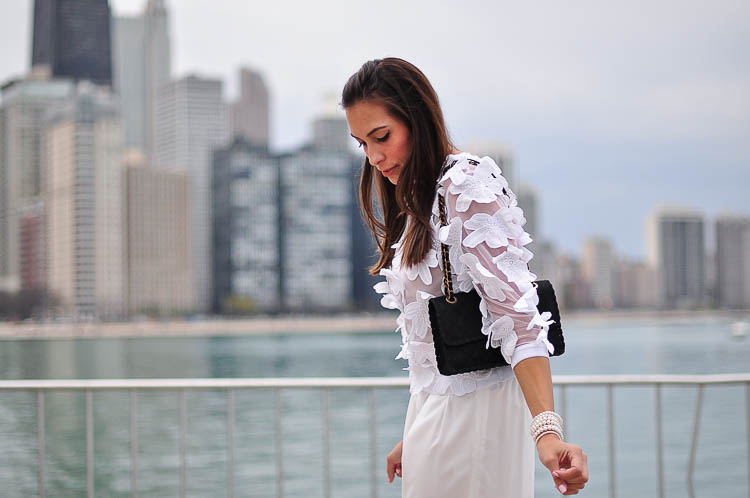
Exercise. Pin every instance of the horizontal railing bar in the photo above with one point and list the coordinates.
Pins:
(343, 382)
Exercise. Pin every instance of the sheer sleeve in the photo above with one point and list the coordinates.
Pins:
(486, 249)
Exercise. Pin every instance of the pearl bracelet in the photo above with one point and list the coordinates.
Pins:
(547, 422)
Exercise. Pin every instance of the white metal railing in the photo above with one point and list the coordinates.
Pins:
(369, 383)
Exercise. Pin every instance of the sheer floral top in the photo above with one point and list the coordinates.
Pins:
(486, 243)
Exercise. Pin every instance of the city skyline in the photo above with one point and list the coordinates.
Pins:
(607, 121)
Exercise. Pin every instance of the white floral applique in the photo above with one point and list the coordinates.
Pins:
(422, 270)
(422, 365)
(503, 335)
(514, 265)
(543, 320)
(480, 186)
(418, 313)
(388, 301)
(395, 284)
(451, 235)
(492, 229)
(493, 286)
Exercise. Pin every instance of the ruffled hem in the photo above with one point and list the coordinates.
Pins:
(425, 376)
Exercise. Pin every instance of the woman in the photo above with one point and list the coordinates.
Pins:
(465, 435)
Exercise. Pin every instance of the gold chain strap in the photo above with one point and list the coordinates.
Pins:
(447, 272)
(447, 280)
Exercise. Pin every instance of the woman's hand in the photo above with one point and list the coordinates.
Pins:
(393, 465)
(567, 463)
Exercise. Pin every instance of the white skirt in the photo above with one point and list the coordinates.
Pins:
(471, 446)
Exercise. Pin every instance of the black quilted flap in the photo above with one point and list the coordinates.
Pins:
(457, 323)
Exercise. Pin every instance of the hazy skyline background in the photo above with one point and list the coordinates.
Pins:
(610, 109)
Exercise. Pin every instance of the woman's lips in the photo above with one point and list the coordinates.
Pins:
(390, 172)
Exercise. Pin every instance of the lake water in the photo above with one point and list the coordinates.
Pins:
(603, 346)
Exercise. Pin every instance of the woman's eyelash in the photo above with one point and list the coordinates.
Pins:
(361, 143)
(385, 137)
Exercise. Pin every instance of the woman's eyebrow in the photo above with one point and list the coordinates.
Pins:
(371, 131)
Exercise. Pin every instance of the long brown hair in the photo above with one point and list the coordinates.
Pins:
(407, 95)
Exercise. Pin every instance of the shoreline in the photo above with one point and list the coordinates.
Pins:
(362, 323)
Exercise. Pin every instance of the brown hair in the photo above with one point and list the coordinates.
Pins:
(408, 96)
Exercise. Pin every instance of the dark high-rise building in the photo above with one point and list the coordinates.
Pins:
(245, 229)
(72, 39)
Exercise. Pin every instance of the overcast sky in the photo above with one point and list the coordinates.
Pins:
(611, 108)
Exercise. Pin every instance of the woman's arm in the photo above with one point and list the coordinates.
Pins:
(567, 462)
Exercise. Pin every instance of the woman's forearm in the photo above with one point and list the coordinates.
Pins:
(535, 378)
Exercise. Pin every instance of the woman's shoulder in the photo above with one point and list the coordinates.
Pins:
(473, 179)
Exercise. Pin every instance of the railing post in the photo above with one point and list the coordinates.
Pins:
(89, 443)
(230, 441)
(326, 444)
(659, 444)
(133, 444)
(278, 440)
(747, 432)
(183, 444)
(40, 440)
(373, 445)
(694, 444)
(564, 410)
(612, 467)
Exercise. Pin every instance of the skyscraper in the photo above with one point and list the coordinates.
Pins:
(316, 231)
(364, 248)
(330, 130)
(527, 200)
(246, 229)
(190, 123)
(82, 155)
(676, 251)
(72, 39)
(142, 64)
(733, 260)
(599, 265)
(250, 114)
(24, 105)
(158, 258)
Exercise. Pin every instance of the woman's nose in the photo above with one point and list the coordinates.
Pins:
(376, 158)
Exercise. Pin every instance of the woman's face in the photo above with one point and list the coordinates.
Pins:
(385, 139)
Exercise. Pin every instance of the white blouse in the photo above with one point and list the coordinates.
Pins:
(486, 243)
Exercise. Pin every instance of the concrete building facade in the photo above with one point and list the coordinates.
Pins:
(732, 261)
(82, 154)
(246, 229)
(25, 103)
(676, 251)
(598, 264)
(191, 120)
(250, 112)
(142, 64)
(158, 256)
(316, 239)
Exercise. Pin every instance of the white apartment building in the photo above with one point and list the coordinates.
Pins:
(598, 264)
(191, 121)
(22, 111)
(82, 156)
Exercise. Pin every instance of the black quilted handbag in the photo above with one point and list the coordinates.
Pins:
(456, 321)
